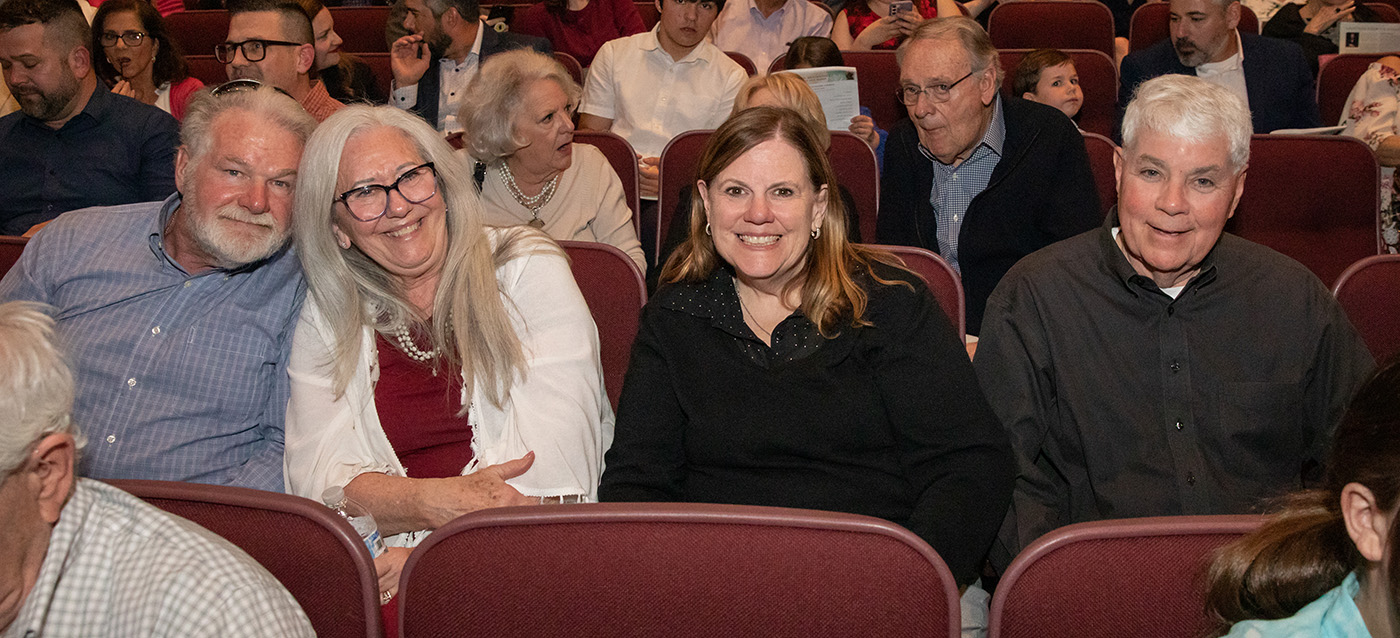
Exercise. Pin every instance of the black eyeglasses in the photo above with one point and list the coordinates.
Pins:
(243, 84)
(371, 201)
(254, 50)
(937, 93)
(131, 38)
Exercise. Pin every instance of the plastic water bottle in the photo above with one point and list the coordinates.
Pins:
(360, 518)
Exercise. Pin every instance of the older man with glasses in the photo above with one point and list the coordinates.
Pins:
(980, 178)
(271, 41)
(178, 314)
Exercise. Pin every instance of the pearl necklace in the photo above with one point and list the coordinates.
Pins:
(409, 348)
(533, 203)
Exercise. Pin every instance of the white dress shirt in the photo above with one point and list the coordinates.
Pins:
(453, 79)
(652, 98)
(1228, 73)
(742, 28)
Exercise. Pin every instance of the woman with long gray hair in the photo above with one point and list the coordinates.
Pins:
(439, 367)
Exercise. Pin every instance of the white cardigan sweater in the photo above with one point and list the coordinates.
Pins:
(559, 409)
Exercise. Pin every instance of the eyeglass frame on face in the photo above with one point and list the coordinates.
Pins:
(243, 84)
(113, 36)
(341, 199)
(939, 93)
(714, 4)
(228, 49)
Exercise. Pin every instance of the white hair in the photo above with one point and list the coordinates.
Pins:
(1189, 108)
(36, 386)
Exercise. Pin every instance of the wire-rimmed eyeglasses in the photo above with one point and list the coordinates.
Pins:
(371, 201)
(937, 93)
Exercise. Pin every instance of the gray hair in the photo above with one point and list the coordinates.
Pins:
(353, 291)
(269, 104)
(964, 31)
(497, 93)
(36, 386)
(1189, 108)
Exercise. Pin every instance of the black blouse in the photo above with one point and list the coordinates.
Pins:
(885, 420)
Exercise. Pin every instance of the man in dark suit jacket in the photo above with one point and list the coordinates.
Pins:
(1277, 79)
(1012, 176)
(447, 44)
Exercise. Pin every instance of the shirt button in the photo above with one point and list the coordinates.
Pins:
(187, 284)
(1176, 367)
(1179, 425)
(131, 383)
(1190, 478)
(111, 438)
(155, 330)
(1171, 310)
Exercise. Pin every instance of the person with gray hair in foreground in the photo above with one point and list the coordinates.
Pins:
(82, 558)
(1158, 365)
(179, 313)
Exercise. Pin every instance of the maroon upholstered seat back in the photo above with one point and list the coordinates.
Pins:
(632, 569)
(853, 161)
(1370, 293)
(1325, 218)
(1067, 24)
(744, 62)
(361, 28)
(571, 64)
(1335, 80)
(10, 249)
(679, 162)
(615, 291)
(316, 554)
(1101, 150)
(1108, 579)
(623, 161)
(198, 32)
(1098, 81)
(877, 79)
(942, 281)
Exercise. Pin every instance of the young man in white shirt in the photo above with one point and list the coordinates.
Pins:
(652, 86)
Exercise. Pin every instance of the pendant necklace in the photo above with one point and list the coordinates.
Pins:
(534, 204)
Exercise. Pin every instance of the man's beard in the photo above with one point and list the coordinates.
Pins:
(1194, 57)
(230, 249)
(437, 43)
(46, 107)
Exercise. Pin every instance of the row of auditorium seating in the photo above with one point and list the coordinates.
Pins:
(685, 570)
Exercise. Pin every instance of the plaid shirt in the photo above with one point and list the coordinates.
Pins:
(181, 377)
(116, 566)
(954, 187)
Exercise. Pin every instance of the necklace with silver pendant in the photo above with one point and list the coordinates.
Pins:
(533, 204)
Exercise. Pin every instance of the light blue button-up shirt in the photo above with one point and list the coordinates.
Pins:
(181, 377)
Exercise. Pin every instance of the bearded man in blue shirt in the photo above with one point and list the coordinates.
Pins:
(178, 314)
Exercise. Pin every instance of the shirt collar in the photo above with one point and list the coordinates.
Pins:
(1232, 63)
(994, 138)
(33, 614)
(1117, 262)
(652, 42)
(758, 15)
(481, 28)
(95, 111)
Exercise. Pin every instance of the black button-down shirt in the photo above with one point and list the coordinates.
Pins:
(1123, 402)
(116, 151)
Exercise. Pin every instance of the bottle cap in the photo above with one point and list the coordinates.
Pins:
(333, 497)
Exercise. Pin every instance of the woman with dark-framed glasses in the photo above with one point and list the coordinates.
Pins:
(135, 55)
(440, 366)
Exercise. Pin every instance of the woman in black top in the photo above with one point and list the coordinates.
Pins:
(781, 365)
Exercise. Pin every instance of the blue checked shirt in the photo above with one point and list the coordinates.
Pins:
(954, 187)
(180, 377)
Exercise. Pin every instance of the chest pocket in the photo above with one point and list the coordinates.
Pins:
(229, 371)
